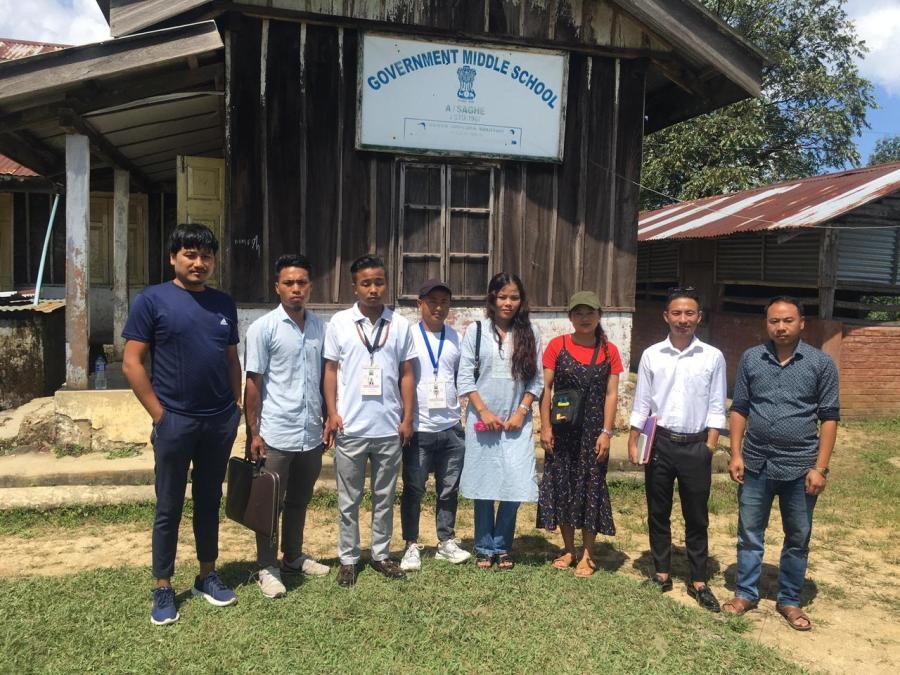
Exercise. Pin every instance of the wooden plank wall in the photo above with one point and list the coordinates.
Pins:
(298, 184)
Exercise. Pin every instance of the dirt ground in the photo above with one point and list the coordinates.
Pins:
(851, 595)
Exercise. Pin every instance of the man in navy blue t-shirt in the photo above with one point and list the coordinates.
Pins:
(192, 394)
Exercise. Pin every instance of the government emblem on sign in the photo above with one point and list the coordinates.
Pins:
(466, 76)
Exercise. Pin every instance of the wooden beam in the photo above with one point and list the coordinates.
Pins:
(73, 123)
(120, 259)
(205, 79)
(828, 259)
(78, 171)
(28, 151)
(62, 71)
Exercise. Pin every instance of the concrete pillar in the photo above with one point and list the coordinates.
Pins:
(120, 259)
(78, 276)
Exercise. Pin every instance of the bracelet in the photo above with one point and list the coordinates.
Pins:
(822, 470)
(524, 408)
(607, 432)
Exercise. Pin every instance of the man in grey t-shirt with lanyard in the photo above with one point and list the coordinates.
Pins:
(438, 443)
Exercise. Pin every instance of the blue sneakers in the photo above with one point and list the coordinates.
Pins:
(164, 611)
(214, 590)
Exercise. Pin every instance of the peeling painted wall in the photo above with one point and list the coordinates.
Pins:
(32, 353)
(550, 324)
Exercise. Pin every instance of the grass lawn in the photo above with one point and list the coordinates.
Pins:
(446, 618)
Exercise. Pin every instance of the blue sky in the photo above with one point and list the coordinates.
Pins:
(877, 22)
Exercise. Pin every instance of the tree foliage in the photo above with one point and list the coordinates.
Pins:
(886, 150)
(813, 104)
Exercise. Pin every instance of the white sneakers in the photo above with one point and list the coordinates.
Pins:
(412, 559)
(451, 552)
(306, 565)
(447, 550)
(269, 582)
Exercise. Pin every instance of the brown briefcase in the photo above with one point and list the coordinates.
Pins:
(252, 498)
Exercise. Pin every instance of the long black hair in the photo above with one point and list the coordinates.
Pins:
(524, 360)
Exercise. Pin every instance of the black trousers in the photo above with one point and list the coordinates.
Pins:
(203, 445)
(691, 465)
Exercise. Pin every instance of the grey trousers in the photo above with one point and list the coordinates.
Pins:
(350, 456)
(297, 472)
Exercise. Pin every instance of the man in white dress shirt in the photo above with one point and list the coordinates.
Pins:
(369, 353)
(681, 380)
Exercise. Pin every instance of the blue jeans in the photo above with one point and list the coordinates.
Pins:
(494, 536)
(755, 498)
(441, 452)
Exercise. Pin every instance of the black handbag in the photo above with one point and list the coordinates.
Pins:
(252, 497)
(567, 405)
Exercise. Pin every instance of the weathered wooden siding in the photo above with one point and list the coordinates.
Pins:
(582, 23)
(298, 184)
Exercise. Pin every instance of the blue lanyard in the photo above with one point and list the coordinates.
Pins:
(434, 361)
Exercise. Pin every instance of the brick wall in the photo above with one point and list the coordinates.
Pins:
(870, 372)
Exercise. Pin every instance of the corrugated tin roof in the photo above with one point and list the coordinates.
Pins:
(19, 49)
(44, 307)
(9, 167)
(805, 202)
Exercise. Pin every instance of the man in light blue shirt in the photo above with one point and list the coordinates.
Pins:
(283, 401)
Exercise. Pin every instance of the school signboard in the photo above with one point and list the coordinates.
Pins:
(450, 98)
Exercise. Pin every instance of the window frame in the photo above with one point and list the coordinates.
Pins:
(445, 255)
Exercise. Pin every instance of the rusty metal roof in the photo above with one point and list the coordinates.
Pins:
(806, 202)
(19, 49)
(9, 167)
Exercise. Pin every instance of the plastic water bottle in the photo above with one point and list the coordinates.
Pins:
(100, 373)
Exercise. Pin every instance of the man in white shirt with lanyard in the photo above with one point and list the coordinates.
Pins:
(438, 443)
(369, 354)
(681, 380)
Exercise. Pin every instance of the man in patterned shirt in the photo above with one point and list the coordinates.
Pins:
(786, 400)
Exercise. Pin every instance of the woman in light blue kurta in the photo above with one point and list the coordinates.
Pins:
(499, 462)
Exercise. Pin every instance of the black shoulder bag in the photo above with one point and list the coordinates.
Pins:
(477, 350)
(567, 405)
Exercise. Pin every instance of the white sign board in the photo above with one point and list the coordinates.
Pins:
(460, 99)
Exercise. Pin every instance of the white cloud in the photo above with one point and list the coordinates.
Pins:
(878, 23)
(72, 22)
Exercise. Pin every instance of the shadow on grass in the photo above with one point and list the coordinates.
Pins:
(768, 583)
(680, 567)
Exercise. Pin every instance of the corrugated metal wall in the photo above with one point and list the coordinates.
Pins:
(869, 256)
(657, 261)
(757, 257)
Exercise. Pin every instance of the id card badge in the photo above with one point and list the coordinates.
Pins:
(370, 381)
(437, 394)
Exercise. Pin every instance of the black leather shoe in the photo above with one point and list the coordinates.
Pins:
(388, 568)
(346, 576)
(704, 597)
(663, 586)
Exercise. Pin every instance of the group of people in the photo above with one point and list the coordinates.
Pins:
(385, 394)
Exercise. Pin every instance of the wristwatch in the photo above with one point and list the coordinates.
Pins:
(822, 470)
(607, 432)
(524, 408)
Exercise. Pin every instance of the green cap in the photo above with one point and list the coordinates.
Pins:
(588, 298)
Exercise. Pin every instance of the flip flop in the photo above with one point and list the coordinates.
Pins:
(565, 561)
(738, 606)
(586, 568)
(794, 615)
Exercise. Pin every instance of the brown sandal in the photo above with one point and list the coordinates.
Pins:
(484, 562)
(565, 561)
(794, 615)
(586, 568)
(739, 606)
(505, 562)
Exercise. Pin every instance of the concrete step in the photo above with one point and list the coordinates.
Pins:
(44, 469)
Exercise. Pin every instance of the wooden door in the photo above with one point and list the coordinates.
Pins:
(201, 198)
(6, 241)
